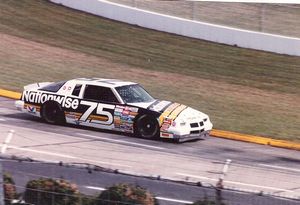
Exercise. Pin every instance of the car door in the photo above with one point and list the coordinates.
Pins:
(97, 107)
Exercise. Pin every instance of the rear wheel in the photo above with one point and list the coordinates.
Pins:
(52, 113)
(146, 127)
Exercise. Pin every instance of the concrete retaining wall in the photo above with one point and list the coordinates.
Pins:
(180, 26)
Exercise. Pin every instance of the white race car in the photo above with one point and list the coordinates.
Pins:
(114, 105)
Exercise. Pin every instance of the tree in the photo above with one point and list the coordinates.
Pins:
(49, 191)
(10, 191)
(121, 194)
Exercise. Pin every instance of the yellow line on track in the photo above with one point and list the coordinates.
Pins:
(214, 133)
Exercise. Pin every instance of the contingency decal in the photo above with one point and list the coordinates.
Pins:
(169, 115)
(166, 135)
(166, 124)
(123, 118)
(74, 116)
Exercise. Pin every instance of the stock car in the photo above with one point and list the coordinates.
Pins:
(114, 105)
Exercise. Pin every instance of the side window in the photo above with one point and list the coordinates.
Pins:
(103, 94)
(76, 90)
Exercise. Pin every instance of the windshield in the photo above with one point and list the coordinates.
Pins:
(134, 94)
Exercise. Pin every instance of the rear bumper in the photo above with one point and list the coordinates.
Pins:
(200, 136)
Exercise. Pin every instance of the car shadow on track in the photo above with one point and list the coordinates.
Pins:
(32, 122)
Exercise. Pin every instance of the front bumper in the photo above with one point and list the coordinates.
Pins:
(199, 136)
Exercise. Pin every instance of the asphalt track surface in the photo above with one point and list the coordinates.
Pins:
(167, 193)
(253, 168)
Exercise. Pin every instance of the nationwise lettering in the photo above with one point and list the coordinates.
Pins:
(40, 98)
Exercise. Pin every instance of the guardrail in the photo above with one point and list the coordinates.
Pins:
(185, 27)
(262, 17)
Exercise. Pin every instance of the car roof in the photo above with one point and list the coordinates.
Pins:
(102, 82)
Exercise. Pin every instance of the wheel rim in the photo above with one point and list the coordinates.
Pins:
(147, 127)
(50, 113)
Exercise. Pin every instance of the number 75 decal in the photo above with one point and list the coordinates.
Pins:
(99, 111)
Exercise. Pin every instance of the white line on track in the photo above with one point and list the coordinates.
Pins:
(195, 176)
(237, 183)
(95, 188)
(21, 129)
(279, 167)
(122, 141)
(42, 152)
(65, 156)
(256, 1)
(86, 135)
(174, 200)
(2, 120)
(158, 197)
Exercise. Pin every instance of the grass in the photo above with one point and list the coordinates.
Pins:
(242, 90)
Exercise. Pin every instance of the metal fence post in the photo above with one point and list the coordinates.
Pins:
(262, 18)
(1, 185)
(193, 10)
(220, 185)
(3, 150)
(134, 3)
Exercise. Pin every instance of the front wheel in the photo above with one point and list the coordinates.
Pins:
(146, 127)
(52, 113)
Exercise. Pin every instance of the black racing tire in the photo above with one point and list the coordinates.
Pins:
(146, 127)
(52, 113)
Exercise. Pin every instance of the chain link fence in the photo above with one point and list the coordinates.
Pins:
(281, 19)
(252, 178)
(207, 196)
(216, 192)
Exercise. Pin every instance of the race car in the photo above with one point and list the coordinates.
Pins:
(114, 105)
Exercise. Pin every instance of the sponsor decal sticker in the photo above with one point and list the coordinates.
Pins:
(123, 118)
(125, 112)
(166, 135)
(133, 114)
(73, 115)
(166, 124)
(32, 108)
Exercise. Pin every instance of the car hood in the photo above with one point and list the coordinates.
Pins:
(175, 110)
(142, 104)
(155, 105)
(191, 114)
